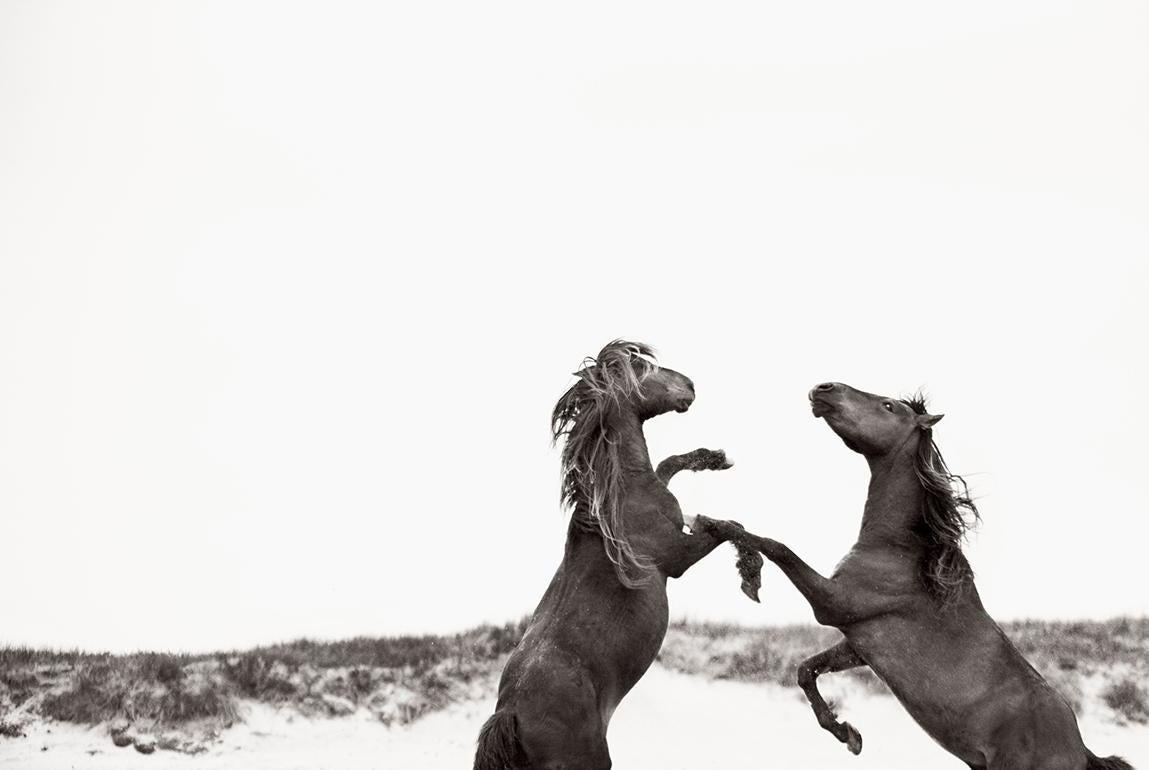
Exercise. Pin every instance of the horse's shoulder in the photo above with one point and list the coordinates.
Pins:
(884, 567)
(654, 500)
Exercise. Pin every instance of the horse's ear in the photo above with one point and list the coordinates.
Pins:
(927, 421)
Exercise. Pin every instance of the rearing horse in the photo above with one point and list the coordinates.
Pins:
(603, 618)
(905, 599)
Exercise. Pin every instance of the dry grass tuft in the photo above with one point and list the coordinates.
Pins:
(1128, 699)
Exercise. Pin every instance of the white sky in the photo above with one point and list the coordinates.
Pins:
(287, 292)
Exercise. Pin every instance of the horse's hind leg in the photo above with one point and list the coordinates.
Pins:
(838, 658)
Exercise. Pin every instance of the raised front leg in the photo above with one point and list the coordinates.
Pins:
(675, 551)
(835, 602)
(830, 607)
(681, 550)
(698, 460)
(749, 562)
(840, 657)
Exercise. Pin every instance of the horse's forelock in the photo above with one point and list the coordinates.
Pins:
(613, 373)
(916, 402)
(591, 467)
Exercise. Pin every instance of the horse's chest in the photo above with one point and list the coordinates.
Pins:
(663, 504)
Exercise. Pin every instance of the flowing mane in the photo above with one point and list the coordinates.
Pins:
(950, 513)
(591, 466)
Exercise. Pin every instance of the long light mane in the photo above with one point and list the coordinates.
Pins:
(591, 465)
(949, 514)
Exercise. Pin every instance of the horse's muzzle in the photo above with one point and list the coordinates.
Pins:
(820, 408)
(819, 402)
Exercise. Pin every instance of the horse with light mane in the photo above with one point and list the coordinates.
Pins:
(602, 620)
(904, 597)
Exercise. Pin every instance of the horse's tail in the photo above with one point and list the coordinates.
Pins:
(499, 747)
(1107, 763)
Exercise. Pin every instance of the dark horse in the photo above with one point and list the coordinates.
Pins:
(904, 598)
(603, 617)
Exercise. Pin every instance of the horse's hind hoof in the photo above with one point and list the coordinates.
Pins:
(853, 739)
(751, 590)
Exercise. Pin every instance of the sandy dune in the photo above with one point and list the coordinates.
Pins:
(669, 721)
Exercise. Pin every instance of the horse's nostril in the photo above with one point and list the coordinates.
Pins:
(825, 386)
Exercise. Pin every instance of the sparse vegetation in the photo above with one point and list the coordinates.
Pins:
(93, 697)
(1128, 699)
(400, 679)
(1085, 646)
(1066, 653)
(751, 654)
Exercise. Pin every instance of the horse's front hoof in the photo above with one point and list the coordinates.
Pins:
(749, 564)
(710, 460)
(853, 739)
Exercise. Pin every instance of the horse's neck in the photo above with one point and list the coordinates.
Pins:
(895, 503)
(634, 461)
(633, 455)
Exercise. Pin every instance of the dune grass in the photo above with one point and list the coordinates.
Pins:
(1067, 653)
(401, 678)
(722, 651)
(725, 651)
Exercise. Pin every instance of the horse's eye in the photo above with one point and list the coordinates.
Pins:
(889, 406)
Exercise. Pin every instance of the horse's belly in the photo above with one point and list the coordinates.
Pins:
(631, 641)
(612, 636)
(944, 685)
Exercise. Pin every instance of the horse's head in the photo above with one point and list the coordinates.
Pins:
(623, 378)
(868, 424)
(620, 384)
(664, 390)
(878, 426)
